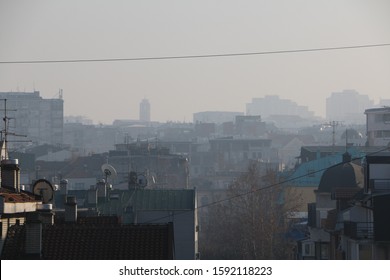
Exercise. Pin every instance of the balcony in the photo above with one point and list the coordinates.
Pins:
(359, 230)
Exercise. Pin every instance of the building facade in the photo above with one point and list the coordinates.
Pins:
(40, 120)
(378, 126)
(336, 108)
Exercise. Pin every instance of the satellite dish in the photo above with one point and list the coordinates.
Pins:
(142, 181)
(44, 189)
(109, 171)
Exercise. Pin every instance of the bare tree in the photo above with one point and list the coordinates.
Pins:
(252, 223)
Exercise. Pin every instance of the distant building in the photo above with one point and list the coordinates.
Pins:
(250, 126)
(347, 106)
(235, 154)
(153, 160)
(378, 126)
(41, 120)
(87, 139)
(144, 110)
(217, 117)
(78, 119)
(273, 105)
(384, 102)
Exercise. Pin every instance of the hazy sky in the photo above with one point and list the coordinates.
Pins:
(105, 91)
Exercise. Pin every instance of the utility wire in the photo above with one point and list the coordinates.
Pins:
(193, 56)
(272, 185)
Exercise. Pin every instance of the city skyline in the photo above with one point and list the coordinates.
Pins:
(177, 88)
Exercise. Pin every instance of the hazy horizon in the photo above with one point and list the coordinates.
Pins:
(105, 91)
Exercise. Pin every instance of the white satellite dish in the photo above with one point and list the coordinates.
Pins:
(109, 171)
(44, 189)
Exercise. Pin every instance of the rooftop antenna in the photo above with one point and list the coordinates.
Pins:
(333, 124)
(5, 132)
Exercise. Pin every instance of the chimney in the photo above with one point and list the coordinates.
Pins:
(71, 210)
(33, 226)
(101, 190)
(92, 197)
(10, 174)
(64, 187)
(46, 215)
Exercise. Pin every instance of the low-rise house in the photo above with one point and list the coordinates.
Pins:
(350, 217)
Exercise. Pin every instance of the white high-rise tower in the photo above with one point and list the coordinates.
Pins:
(144, 110)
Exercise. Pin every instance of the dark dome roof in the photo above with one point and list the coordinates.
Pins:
(343, 175)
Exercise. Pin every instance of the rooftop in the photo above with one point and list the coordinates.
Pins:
(95, 241)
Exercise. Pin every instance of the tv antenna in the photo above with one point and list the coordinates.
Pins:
(333, 125)
(5, 131)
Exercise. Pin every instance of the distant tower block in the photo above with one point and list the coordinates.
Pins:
(144, 110)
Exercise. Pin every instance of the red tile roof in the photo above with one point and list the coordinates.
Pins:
(11, 196)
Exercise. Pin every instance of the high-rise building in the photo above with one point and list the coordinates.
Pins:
(347, 106)
(144, 110)
(40, 120)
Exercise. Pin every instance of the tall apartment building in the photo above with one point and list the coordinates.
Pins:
(41, 120)
(144, 110)
(347, 106)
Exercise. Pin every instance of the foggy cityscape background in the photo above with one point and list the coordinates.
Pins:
(41, 30)
(195, 130)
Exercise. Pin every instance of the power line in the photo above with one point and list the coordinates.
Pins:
(193, 56)
(273, 185)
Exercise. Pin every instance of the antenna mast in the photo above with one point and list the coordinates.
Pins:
(5, 132)
(333, 124)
